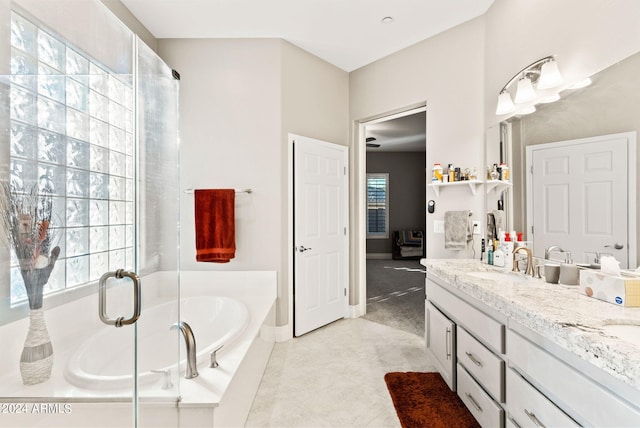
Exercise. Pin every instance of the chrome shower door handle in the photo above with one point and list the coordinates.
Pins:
(102, 298)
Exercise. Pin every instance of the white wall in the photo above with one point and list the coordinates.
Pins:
(230, 137)
(239, 99)
(446, 72)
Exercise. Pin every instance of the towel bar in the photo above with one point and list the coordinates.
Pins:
(190, 191)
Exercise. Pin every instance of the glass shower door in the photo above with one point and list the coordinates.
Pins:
(91, 144)
(157, 234)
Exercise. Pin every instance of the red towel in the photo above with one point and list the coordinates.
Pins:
(215, 225)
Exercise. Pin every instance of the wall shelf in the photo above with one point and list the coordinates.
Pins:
(472, 184)
(498, 185)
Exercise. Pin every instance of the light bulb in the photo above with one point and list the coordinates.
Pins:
(525, 91)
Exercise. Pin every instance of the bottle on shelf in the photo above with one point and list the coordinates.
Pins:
(437, 173)
(504, 172)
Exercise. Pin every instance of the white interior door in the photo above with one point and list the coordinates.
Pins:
(580, 197)
(320, 233)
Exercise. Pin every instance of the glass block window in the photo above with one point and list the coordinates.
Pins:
(377, 206)
(71, 128)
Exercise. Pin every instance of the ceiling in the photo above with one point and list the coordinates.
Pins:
(346, 33)
(402, 134)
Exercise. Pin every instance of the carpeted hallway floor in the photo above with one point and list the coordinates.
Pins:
(395, 294)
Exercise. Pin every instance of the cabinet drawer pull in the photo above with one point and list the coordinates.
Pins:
(470, 397)
(534, 419)
(474, 359)
(448, 343)
(513, 421)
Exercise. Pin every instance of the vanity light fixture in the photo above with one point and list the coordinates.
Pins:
(544, 74)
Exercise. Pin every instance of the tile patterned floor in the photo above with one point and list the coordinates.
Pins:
(334, 377)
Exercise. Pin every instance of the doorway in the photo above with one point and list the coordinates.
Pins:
(395, 221)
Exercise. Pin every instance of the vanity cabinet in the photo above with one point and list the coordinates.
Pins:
(471, 357)
(575, 392)
(439, 340)
(509, 375)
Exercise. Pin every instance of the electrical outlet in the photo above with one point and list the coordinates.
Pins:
(438, 226)
(476, 227)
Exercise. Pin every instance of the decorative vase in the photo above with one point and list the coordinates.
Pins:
(36, 361)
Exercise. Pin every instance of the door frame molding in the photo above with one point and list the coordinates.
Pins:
(631, 138)
(360, 208)
(288, 331)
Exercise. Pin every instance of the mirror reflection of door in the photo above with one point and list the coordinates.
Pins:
(578, 197)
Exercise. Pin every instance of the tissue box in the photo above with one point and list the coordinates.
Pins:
(618, 290)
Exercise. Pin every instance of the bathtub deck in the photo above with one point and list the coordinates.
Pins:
(220, 396)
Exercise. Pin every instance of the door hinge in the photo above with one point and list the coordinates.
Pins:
(345, 231)
(531, 169)
(345, 170)
(345, 292)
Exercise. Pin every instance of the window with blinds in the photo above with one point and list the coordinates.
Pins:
(377, 206)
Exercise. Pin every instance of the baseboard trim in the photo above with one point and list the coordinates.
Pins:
(283, 333)
(355, 311)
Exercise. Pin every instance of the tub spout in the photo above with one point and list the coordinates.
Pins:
(190, 341)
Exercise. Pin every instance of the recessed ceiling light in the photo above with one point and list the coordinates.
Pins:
(387, 20)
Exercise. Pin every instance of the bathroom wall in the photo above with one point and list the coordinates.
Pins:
(447, 72)
(239, 99)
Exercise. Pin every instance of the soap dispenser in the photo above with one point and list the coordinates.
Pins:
(498, 257)
(569, 273)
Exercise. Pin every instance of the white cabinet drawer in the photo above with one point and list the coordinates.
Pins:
(486, 411)
(527, 407)
(487, 329)
(579, 396)
(486, 367)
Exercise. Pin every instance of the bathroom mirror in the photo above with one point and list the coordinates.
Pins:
(610, 105)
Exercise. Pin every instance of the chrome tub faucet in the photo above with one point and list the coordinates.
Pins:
(190, 342)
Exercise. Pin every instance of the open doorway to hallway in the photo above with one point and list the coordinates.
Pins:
(395, 218)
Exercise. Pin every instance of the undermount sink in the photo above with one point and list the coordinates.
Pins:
(499, 276)
(628, 332)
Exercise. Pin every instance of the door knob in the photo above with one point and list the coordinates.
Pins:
(302, 249)
(617, 246)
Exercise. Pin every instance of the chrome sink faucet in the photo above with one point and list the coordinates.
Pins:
(529, 268)
(551, 249)
(190, 342)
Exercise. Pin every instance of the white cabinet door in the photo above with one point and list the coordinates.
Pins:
(440, 342)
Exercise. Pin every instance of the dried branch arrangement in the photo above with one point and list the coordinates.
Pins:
(26, 220)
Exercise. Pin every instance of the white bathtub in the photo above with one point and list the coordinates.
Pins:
(223, 395)
(103, 362)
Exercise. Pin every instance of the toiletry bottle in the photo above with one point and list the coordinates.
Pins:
(504, 172)
(498, 257)
(569, 273)
(507, 248)
(493, 174)
(490, 252)
(437, 173)
(452, 173)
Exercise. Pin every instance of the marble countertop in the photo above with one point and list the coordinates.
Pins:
(557, 312)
